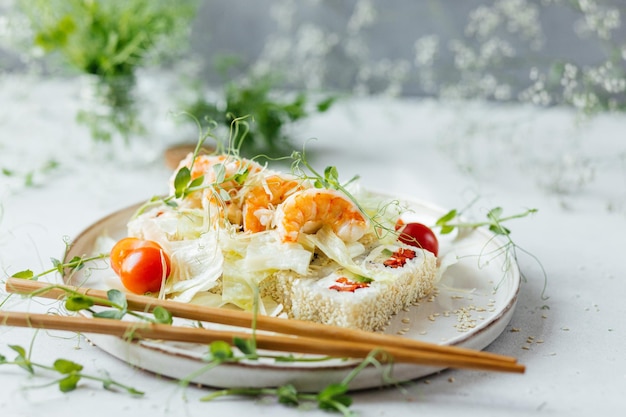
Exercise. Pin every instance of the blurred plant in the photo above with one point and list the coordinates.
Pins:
(110, 40)
(269, 112)
(501, 57)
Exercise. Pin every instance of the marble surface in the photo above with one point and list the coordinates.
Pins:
(569, 330)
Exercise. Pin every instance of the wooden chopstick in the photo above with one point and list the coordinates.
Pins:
(335, 348)
(313, 337)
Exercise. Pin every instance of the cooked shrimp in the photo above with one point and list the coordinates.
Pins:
(261, 201)
(308, 210)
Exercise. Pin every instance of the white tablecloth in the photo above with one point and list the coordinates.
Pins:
(572, 169)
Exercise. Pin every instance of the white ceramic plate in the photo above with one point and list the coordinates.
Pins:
(472, 305)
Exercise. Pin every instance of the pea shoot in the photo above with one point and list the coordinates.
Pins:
(334, 397)
(69, 372)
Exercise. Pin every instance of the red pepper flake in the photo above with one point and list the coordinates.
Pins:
(398, 258)
(347, 285)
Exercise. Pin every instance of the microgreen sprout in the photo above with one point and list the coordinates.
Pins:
(184, 183)
(452, 220)
(334, 397)
(74, 264)
(63, 268)
(70, 373)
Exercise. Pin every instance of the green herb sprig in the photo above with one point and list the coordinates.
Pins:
(334, 397)
(75, 264)
(71, 373)
(453, 220)
(184, 184)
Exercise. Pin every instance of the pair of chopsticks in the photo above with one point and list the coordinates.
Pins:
(286, 335)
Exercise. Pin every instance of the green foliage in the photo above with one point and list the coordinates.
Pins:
(106, 38)
(269, 114)
(110, 39)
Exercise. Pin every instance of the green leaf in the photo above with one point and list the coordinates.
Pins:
(220, 173)
(446, 217)
(20, 351)
(224, 195)
(76, 263)
(69, 383)
(499, 229)
(494, 213)
(78, 302)
(246, 346)
(25, 274)
(118, 298)
(241, 177)
(57, 264)
(162, 315)
(332, 395)
(21, 360)
(446, 229)
(197, 182)
(65, 366)
(3, 359)
(183, 176)
(319, 183)
(324, 105)
(112, 314)
(287, 394)
(220, 350)
(331, 173)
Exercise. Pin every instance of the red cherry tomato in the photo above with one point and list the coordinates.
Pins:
(417, 234)
(139, 264)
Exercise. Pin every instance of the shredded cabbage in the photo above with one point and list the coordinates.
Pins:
(196, 266)
(337, 250)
